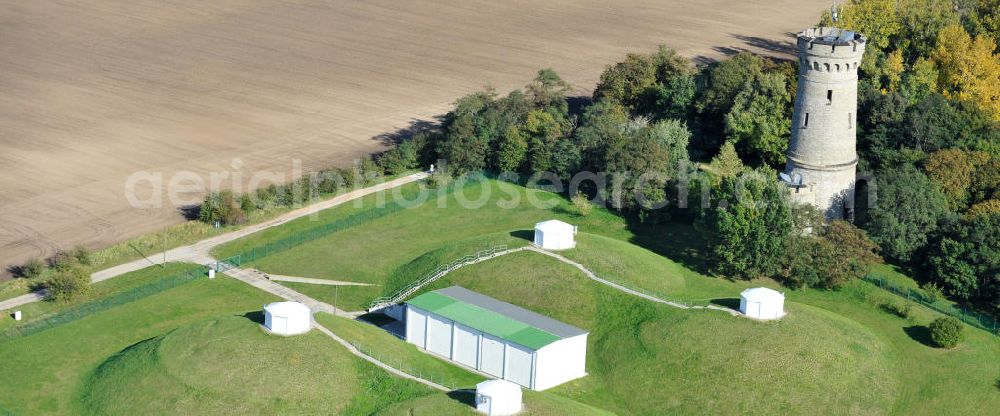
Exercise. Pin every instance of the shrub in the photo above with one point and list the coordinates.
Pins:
(222, 207)
(32, 269)
(68, 284)
(933, 292)
(946, 332)
(904, 310)
(582, 204)
(62, 261)
(438, 180)
(81, 255)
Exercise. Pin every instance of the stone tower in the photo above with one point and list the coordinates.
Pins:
(822, 155)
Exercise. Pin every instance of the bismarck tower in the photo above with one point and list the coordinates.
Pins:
(822, 154)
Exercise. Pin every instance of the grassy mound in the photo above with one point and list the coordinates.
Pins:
(700, 362)
(232, 366)
(373, 252)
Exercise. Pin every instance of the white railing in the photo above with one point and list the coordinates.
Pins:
(437, 273)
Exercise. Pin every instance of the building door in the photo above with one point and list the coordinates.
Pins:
(518, 365)
(466, 348)
(491, 356)
(753, 309)
(439, 335)
(416, 327)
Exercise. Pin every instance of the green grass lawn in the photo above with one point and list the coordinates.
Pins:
(836, 352)
(836, 337)
(375, 251)
(696, 362)
(46, 373)
(230, 365)
(99, 290)
(390, 350)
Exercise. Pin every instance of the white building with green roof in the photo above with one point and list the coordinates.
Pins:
(496, 338)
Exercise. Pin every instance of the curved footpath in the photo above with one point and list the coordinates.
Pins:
(200, 252)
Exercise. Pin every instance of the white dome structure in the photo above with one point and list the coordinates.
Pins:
(554, 235)
(287, 318)
(762, 303)
(498, 397)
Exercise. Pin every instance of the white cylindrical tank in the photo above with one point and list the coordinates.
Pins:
(498, 397)
(17, 315)
(287, 318)
(211, 273)
(762, 303)
(554, 235)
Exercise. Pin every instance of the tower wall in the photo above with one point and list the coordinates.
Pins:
(822, 149)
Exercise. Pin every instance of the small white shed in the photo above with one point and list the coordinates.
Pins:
(554, 235)
(287, 318)
(762, 303)
(496, 338)
(498, 397)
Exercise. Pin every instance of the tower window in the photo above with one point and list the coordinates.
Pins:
(850, 120)
(829, 97)
(805, 122)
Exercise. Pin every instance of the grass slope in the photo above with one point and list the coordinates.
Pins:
(372, 252)
(389, 349)
(44, 373)
(230, 365)
(99, 290)
(697, 362)
(924, 380)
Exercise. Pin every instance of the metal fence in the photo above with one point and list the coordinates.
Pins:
(394, 361)
(969, 316)
(320, 231)
(83, 310)
(433, 275)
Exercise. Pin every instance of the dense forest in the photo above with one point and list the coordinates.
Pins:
(669, 136)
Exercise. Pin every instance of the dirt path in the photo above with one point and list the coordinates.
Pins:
(401, 296)
(312, 281)
(97, 90)
(200, 252)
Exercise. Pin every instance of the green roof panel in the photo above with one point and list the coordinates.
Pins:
(484, 320)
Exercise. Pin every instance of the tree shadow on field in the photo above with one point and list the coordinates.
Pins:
(465, 397)
(676, 240)
(416, 126)
(727, 51)
(921, 334)
(254, 316)
(17, 271)
(190, 212)
(782, 47)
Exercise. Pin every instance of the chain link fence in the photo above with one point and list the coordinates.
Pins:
(433, 275)
(84, 310)
(974, 318)
(320, 231)
(394, 362)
